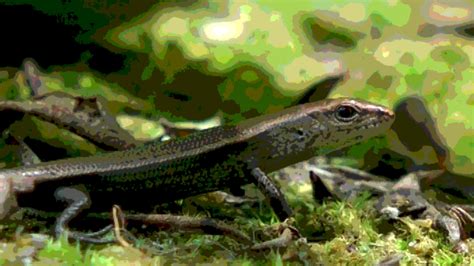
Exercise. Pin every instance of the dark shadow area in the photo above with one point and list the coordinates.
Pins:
(325, 35)
(44, 151)
(320, 90)
(29, 33)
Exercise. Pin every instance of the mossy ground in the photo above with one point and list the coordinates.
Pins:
(338, 233)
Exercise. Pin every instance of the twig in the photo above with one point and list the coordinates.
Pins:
(119, 223)
(191, 224)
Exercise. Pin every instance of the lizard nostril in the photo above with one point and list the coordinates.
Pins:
(387, 114)
(390, 114)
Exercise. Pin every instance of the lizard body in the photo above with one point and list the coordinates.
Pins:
(205, 161)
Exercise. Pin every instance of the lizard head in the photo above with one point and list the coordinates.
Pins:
(300, 132)
(344, 121)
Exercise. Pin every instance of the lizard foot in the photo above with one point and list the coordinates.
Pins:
(466, 225)
(77, 201)
(465, 220)
(288, 234)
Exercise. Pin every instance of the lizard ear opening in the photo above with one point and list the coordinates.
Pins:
(346, 113)
(300, 133)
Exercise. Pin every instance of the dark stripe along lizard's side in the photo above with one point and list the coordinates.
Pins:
(209, 160)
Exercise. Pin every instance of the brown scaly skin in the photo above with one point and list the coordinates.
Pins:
(209, 160)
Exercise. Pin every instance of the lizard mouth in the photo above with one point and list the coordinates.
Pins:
(380, 126)
(367, 126)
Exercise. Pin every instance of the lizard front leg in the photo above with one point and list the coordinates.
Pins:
(8, 201)
(272, 192)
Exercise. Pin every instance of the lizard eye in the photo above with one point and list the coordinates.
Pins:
(346, 113)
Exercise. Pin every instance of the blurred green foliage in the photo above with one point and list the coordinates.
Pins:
(246, 58)
(270, 52)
